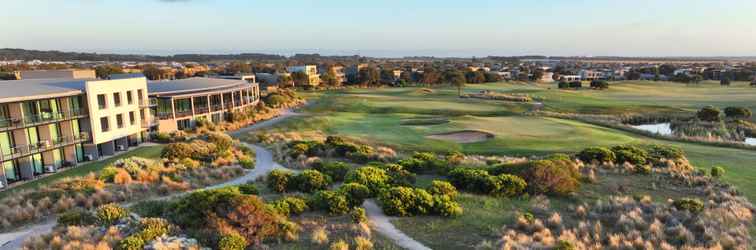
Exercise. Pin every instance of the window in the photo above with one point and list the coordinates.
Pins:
(129, 98)
(117, 99)
(104, 126)
(119, 120)
(6, 144)
(101, 101)
(183, 107)
(36, 160)
(132, 119)
(140, 96)
(141, 114)
(183, 124)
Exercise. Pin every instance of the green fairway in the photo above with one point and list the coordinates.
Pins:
(151, 152)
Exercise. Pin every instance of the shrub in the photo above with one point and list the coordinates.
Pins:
(291, 205)
(339, 245)
(631, 154)
(709, 114)
(310, 181)
(658, 152)
(469, 179)
(455, 158)
(337, 170)
(599, 84)
(556, 177)
(442, 188)
(358, 215)
(444, 205)
(717, 171)
(108, 173)
(151, 208)
(564, 245)
(275, 100)
(689, 204)
(248, 188)
(599, 154)
(373, 178)
(152, 228)
(363, 153)
(246, 162)
(232, 242)
(424, 162)
(576, 84)
(110, 213)
(222, 141)
(398, 175)
(131, 243)
(77, 217)
(737, 112)
(278, 180)
(362, 243)
(563, 85)
(179, 150)
(333, 202)
(355, 193)
(511, 185)
(405, 201)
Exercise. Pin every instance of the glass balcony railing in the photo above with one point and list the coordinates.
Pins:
(26, 150)
(44, 117)
(183, 113)
(164, 115)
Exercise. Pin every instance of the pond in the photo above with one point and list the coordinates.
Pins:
(666, 129)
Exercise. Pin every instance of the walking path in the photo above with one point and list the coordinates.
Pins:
(382, 224)
(264, 164)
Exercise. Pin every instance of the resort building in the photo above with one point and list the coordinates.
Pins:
(179, 104)
(57, 74)
(311, 71)
(48, 124)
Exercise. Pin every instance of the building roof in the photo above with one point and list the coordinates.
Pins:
(20, 90)
(194, 84)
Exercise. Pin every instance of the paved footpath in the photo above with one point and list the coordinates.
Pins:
(382, 223)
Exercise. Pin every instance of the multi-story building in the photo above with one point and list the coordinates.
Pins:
(178, 104)
(58, 74)
(337, 71)
(353, 72)
(47, 124)
(311, 71)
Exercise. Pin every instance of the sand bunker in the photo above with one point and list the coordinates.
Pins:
(464, 136)
(424, 121)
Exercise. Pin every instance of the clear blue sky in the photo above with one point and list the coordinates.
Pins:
(386, 27)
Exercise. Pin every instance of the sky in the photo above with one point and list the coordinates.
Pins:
(385, 28)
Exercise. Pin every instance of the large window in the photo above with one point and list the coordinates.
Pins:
(164, 108)
(183, 107)
(55, 133)
(11, 171)
(6, 144)
(79, 152)
(237, 98)
(183, 124)
(129, 97)
(32, 136)
(227, 100)
(57, 157)
(104, 126)
(102, 101)
(215, 102)
(5, 118)
(117, 99)
(48, 108)
(119, 120)
(132, 119)
(37, 164)
(75, 103)
(200, 104)
(31, 111)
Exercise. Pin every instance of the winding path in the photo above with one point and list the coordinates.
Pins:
(264, 164)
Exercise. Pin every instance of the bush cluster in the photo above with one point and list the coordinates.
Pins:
(307, 181)
(335, 203)
(630, 154)
(407, 201)
(598, 154)
(336, 170)
(290, 205)
(737, 113)
(425, 162)
(689, 204)
(109, 214)
(480, 181)
(373, 178)
(599, 84)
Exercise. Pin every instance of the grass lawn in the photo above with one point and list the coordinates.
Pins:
(151, 152)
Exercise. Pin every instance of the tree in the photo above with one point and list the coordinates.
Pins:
(725, 81)
(475, 77)
(368, 76)
(104, 71)
(285, 80)
(599, 84)
(152, 72)
(537, 75)
(300, 78)
(709, 113)
(387, 77)
(456, 78)
(237, 68)
(430, 76)
(329, 79)
(492, 77)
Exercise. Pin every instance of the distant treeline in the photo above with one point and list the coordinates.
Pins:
(52, 55)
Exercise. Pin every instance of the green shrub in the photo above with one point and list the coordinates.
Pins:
(563, 85)
(405, 201)
(689, 204)
(358, 215)
(599, 84)
(108, 173)
(576, 84)
(373, 178)
(222, 141)
(337, 170)
(131, 243)
(631, 154)
(363, 154)
(232, 242)
(442, 188)
(599, 154)
(249, 188)
(511, 185)
(333, 202)
(151, 208)
(246, 162)
(355, 193)
(77, 217)
(162, 137)
(398, 175)
(455, 158)
(658, 152)
(278, 180)
(565, 245)
(340, 146)
(717, 171)
(425, 162)
(310, 181)
(444, 205)
(556, 177)
(108, 214)
(152, 228)
(643, 169)
(193, 209)
(275, 100)
(291, 205)
(709, 114)
(737, 112)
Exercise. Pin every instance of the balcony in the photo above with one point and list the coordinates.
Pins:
(149, 123)
(43, 118)
(183, 113)
(164, 115)
(26, 150)
(201, 110)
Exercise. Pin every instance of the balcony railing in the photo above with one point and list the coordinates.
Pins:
(183, 113)
(44, 117)
(216, 107)
(26, 150)
(164, 115)
(201, 110)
